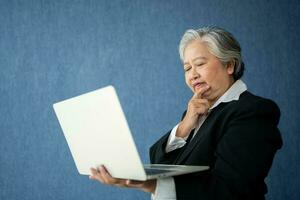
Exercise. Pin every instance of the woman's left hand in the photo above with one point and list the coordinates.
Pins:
(104, 177)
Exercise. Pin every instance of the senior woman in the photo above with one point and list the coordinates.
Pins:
(224, 126)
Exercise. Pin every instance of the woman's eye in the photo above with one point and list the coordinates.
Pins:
(200, 64)
(187, 69)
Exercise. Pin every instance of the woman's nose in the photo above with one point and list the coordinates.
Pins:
(194, 74)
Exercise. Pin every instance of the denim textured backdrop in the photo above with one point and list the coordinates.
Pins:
(52, 50)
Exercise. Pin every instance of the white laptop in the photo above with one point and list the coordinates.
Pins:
(97, 133)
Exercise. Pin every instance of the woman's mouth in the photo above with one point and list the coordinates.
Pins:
(198, 86)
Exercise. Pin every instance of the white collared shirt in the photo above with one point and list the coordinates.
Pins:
(165, 188)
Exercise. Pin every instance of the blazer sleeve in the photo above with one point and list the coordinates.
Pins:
(244, 154)
(158, 153)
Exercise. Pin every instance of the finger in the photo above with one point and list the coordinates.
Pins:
(108, 179)
(200, 107)
(200, 101)
(134, 184)
(201, 111)
(201, 91)
(105, 175)
(147, 186)
(197, 103)
(198, 94)
(123, 183)
(95, 175)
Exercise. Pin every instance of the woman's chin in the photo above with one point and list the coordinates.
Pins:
(205, 94)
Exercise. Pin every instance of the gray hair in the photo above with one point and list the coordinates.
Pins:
(220, 43)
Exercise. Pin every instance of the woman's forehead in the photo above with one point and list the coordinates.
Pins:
(195, 50)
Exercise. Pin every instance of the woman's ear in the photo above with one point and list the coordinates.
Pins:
(230, 67)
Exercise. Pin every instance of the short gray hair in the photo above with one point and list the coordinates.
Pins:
(220, 43)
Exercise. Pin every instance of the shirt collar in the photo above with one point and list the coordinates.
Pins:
(232, 94)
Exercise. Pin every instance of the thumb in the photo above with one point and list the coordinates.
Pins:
(133, 183)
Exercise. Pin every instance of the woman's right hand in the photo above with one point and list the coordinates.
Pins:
(197, 107)
(102, 175)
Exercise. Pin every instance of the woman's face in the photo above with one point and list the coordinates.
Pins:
(203, 68)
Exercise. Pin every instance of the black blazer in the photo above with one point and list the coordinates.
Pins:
(238, 140)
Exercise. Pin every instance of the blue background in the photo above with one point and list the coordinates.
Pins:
(53, 50)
